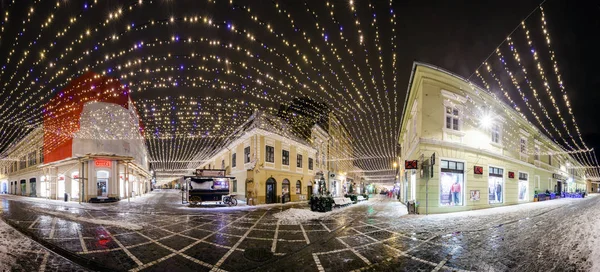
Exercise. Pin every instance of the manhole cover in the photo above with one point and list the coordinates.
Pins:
(258, 254)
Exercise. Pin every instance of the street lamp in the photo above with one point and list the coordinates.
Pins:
(395, 164)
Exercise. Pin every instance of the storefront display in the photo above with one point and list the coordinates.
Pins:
(451, 183)
(495, 185)
(523, 186)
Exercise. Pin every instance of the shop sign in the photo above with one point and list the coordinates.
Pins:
(410, 164)
(210, 173)
(478, 170)
(102, 163)
(558, 176)
(511, 174)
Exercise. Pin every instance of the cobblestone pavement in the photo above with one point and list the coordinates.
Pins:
(20, 253)
(157, 233)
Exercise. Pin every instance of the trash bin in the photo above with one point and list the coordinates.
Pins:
(412, 209)
(66, 197)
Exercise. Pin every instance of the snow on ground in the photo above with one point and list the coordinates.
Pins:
(295, 216)
(71, 216)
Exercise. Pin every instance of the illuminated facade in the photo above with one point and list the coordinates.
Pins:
(90, 147)
(268, 162)
(486, 154)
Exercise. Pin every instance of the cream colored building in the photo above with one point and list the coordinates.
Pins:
(486, 154)
(267, 161)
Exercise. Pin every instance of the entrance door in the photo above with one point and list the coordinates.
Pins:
(559, 187)
(270, 196)
(309, 191)
(32, 187)
(102, 183)
(4, 189)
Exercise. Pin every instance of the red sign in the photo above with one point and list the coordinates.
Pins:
(410, 164)
(478, 170)
(511, 174)
(102, 163)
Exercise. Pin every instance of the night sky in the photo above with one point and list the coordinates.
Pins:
(455, 35)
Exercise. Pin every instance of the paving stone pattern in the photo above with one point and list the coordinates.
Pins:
(355, 239)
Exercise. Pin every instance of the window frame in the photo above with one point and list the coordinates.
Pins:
(299, 159)
(247, 154)
(310, 163)
(285, 157)
(454, 115)
(269, 154)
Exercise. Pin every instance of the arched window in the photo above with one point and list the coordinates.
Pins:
(298, 187)
(285, 188)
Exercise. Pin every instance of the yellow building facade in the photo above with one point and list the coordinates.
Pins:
(471, 151)
(269, 163)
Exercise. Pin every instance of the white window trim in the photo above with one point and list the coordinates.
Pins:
(504, 177)
(527, 181)
(500, 142)
(464, 188)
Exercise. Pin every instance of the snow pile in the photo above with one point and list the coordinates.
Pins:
(69, 216)
(294, 216)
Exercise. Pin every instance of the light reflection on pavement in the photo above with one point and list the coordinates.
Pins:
(370, 236)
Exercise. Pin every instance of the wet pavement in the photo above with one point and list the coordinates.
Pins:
(157, 233)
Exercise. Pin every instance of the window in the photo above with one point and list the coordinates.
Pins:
(496, 133)
(452, 118)
(23, 162)
(235, 186)
(247, 154)
(223, 164)
(31, 159)
(451, 183)
(299, 161)
(549, 159)
(495, 185)
(285, 157)
(270, 154)
(536, 182)
(233, 160)
(536, 155)
(41, 155)
(523, 186)
(298, 187)
(523, 145)
(310, 164)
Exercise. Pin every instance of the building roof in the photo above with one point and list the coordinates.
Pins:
(270, 123)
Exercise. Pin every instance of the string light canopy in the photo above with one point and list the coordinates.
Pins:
(197, 71)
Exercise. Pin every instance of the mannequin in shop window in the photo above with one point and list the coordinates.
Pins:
(498, 192)
(455, 190)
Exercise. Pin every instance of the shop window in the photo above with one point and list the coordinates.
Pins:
(298, 187)
(523, 186)
(247, 154)
(299, 161)
(102, 183)
(285, 157)
(495, 185)
(452, 118)
(285, 187)
(451, 183)
(310, 164)
(75, 185)
(495, 133)
(233, 160)
(270, 154)
(234, 186)
(61, 186)
(23, 162)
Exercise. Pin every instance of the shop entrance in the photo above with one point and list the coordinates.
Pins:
(558, 188)
(309, 191)
(23, 187)
(270, 196)
(32, 187)
(102, 183)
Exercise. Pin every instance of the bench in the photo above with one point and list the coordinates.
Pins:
(360, 198)
(341, 201)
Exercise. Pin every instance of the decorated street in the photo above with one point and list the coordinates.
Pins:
(155, 233)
